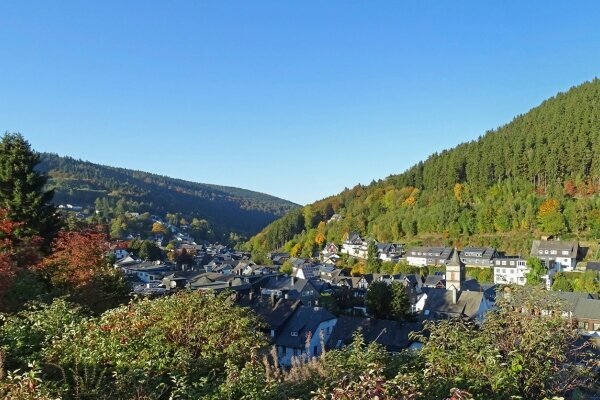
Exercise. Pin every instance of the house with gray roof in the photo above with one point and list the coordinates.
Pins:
(444, 304)
(393, 335)
(556, 254)
(480, 257)
(303, 333)
(423, 256)
(306, 290)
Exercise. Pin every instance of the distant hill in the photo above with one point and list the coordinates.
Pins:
(538, 174)
(227, 209)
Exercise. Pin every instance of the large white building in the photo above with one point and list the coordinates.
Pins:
(423, 256)
(556, 254)
(510, 271)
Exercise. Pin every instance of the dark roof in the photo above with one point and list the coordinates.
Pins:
(588, 309)
(393, 335)
(488, 289)
(274, 312)
(440, 301)
(478, 252)
(434, 280)
(303, 322)
(559, 245)
(593, 266)
(438, 252)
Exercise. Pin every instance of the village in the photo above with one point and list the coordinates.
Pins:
(313, 304)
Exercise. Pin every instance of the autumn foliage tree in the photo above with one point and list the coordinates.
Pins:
(17, 254)
(78, 266)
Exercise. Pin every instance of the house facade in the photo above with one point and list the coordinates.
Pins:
(556, 254)
(480, 257)
(423, 256)
(510, 271)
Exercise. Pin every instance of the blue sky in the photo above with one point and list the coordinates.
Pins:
(295, 99)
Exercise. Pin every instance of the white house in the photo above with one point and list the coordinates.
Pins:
(561, 254)
(423, 256)
(355, 246)
(510, 271)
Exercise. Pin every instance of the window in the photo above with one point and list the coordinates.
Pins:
(597, 326)
(565, 252)
(294, 333)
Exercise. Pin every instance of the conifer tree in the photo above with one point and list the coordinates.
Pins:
(22, 192)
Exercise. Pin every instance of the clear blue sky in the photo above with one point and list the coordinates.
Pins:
(296, 99)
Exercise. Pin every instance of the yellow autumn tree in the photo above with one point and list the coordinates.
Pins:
(320, 239)
(296, 250)
(157, 227)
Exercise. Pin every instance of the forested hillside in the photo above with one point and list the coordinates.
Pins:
(540, 173)
(115, 190)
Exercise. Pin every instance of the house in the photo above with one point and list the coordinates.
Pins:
(305, 271)
(556, 254)
(435, 281)
(330, 274)
(444, 304)
(389, 251)
(355, 246)
(274, 312)
(219, 282)
(580, 308)
(148, 272)
(304, 333)
(392, 335)
(587, 316)
(480, 257)
(330, 258)
(455, 300)
(279, 258)
(330, 248)
(335, 218)
(510, 271)
(288, 287)
(423, 256)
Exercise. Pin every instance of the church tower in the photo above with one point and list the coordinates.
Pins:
(455, 272)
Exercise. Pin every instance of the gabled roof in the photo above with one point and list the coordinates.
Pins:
(438, 252)
(393, 335)
(354, 238)
(588, 309)
(558, 245)
(485, 253)
(440, 301)
(303, 322)
(275, 313)
(434, 280)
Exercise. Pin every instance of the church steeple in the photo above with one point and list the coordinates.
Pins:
(455, 272)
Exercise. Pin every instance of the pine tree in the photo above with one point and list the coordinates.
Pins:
(22, 192)
(373, 261)
(399, 304)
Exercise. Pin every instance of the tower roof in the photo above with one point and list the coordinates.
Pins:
(455, 260)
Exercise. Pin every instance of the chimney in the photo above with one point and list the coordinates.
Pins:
(293, 279)
(251, 296)
(454, 294)
(272, 299)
